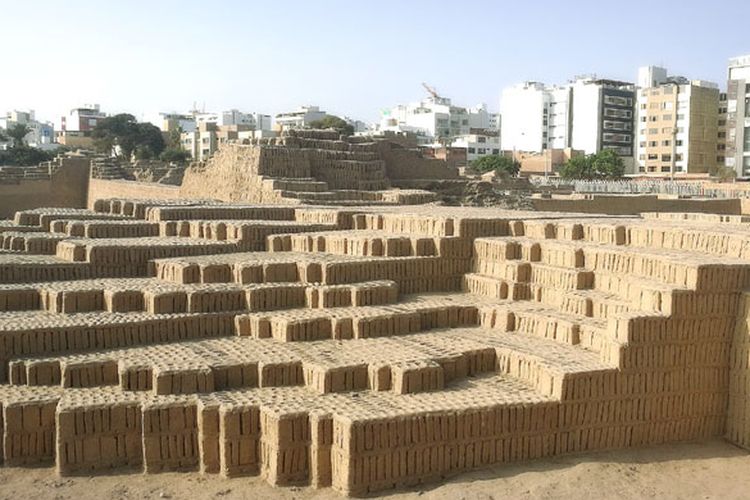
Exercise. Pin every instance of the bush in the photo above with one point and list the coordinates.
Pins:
(174, 155)
(502, 165)
(24, 156)
(334, 122)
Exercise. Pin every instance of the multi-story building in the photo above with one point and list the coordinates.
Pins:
(678, 126)
(602, 117)
(41, 134)
(256, 121)
(83, 119)
(737, 125)
(301, 118)
(525, 111)
(478, 143)
(435, 119)
(178, 121)
(209, 137)
(76, 127)
(587, 114)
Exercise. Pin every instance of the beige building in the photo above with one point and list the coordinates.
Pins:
(208, 138)
(678, 130)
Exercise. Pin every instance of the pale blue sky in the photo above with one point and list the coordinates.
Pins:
(350, 57)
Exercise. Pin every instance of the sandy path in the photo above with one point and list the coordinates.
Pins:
(686, 471)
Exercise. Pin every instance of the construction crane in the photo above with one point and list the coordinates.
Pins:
(431, 90)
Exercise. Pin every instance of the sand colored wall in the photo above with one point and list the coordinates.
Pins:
(66, 188)
(102, 189)
(631, 205)
(407, 164)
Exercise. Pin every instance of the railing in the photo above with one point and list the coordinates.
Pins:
(681, 188)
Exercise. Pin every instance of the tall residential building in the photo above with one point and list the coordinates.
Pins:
(535, 117)
(603, 117)
(737, 137)
(435, 118)
(678, 127)
(588, 114)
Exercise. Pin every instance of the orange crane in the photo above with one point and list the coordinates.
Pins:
(431, 90)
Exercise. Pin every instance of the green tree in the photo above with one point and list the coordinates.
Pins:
(174, 155)
(331, 121)
(131, 137)
(502, 165)
(603, 165)
(18, 132)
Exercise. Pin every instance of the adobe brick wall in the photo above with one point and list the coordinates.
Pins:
(103, 189)
(67, 188)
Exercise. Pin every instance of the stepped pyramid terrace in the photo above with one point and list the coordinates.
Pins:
(363, 348)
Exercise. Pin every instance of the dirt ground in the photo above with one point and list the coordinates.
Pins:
(686, 471)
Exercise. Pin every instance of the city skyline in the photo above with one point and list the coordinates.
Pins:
(349, 60)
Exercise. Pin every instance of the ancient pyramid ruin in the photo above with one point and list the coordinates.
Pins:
(363, 348)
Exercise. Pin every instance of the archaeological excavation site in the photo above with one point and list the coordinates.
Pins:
(301, 310)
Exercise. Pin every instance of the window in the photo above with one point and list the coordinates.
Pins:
(665, 169)
(666, 157)
(722, 135)
(608, 137)
(641, 157)
(680, 116)
(481, 139)
(618, 113)
(722, 123)
(666, 117)
(472, 151)
(720, 159)
(642, 144)
(641, 169)
(653, 156)
(618, 100)
(495, 151)
(643, 118)
(610, 125)
(643, 106)
(678, 142)
(653, 144)
(481, 151)
(667, 105)
(653, 131)
(666, 143)
(653, 118)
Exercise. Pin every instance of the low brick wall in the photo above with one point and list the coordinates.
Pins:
(100, 189)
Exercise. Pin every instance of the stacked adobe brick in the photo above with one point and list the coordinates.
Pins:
(363, 348)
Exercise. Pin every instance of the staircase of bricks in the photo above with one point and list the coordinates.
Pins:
(363, 348)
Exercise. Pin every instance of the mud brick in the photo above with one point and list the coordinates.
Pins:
(123, 300)
(417, 377)
(165, 301)
(90, 374)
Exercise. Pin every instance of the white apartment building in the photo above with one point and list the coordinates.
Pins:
(478, 145)
(300, 118)
(83, 119)
(535, 117)
(436, 118)
(41, 134)
(737, 124)
(256, 121)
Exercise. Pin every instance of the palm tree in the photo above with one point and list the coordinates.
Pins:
(17, 132)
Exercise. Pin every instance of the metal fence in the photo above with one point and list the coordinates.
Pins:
(682, 188)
